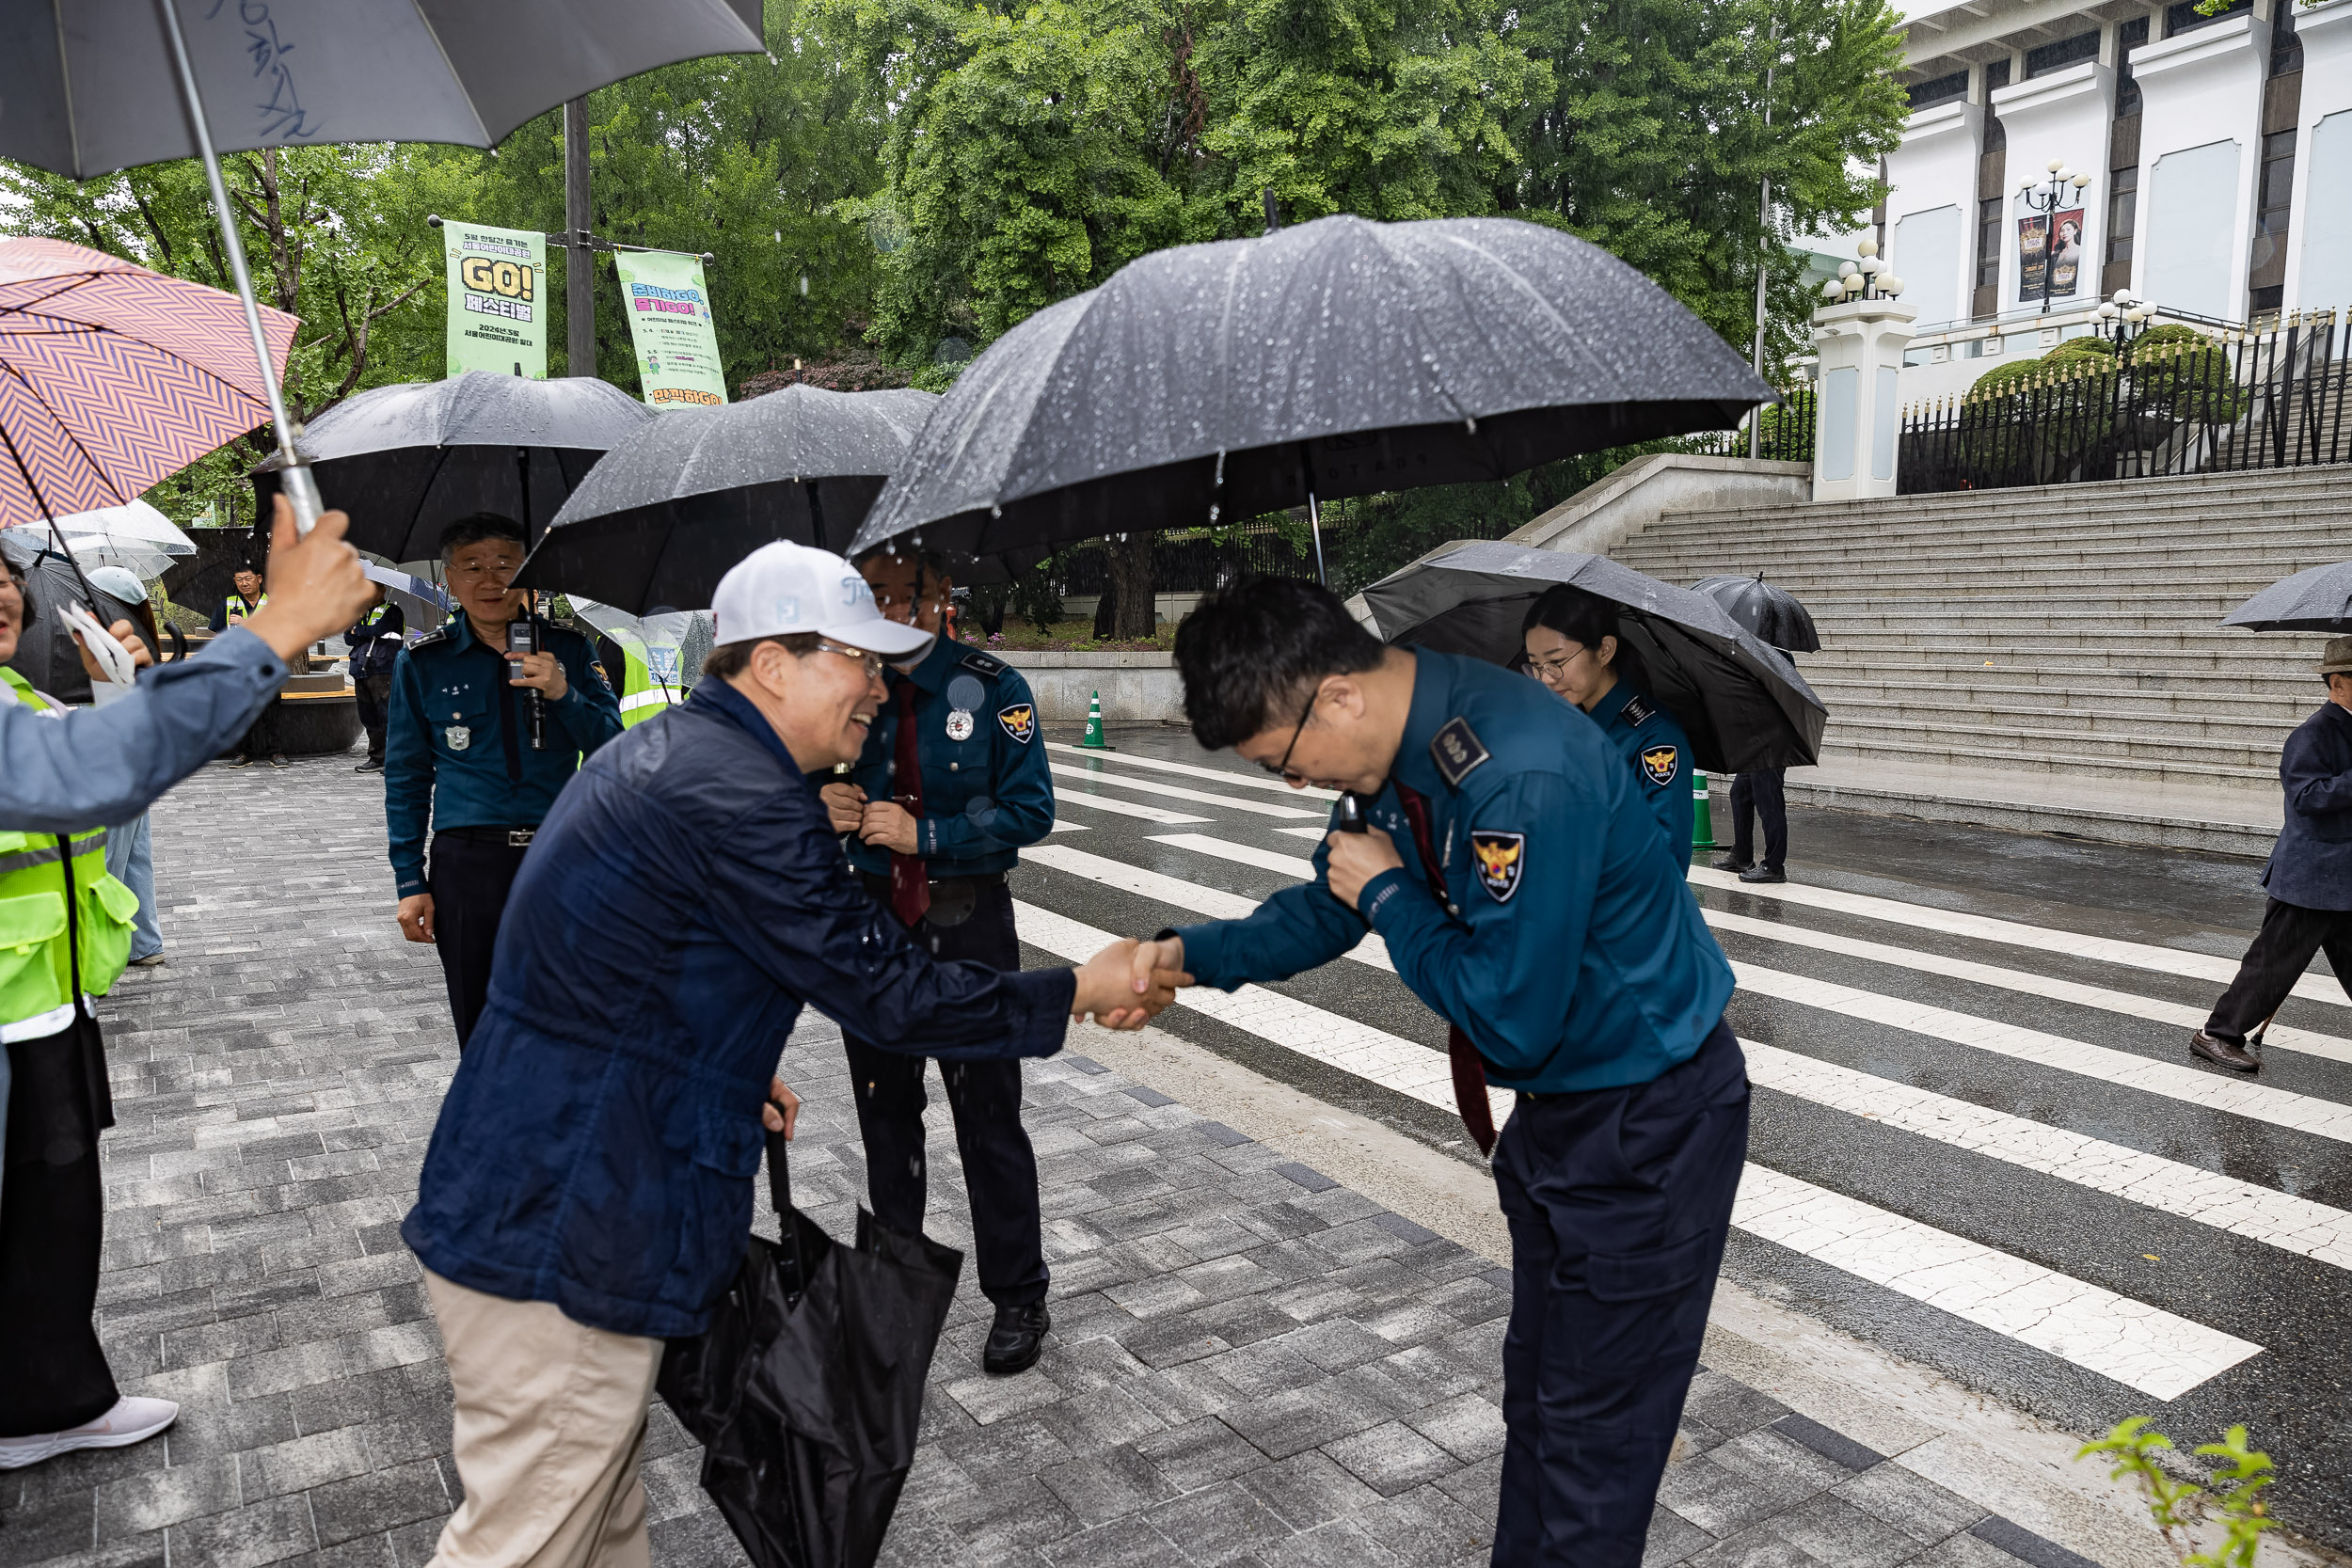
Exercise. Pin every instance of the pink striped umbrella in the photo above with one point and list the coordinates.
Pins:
(113, 377)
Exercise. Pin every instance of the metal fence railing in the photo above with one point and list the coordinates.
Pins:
(1786, 431)
(2174, 402)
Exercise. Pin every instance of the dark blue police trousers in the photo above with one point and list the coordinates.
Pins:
(1619, 1202)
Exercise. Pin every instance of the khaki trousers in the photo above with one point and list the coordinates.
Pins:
(550, 1421)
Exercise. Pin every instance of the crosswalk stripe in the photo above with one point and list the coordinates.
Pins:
(2149, 1007)
(1243, 854)
(2301, 1113)
(2263, 1214)
(1161, 765)
(1061, 826)
(1120, 808)
(1214, 902)
(1317, 833)
(1177, 792)
(2043, 939)
(2141, 1346)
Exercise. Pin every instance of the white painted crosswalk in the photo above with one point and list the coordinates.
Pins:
(1177, 792)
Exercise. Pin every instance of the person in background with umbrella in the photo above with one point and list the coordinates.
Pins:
(1571, 644)
(951, 787)
(2309, 876)
(375, 641)
(687, 899)
(237, 607)
(478, 760)
(1778, 619)
(1514, 871)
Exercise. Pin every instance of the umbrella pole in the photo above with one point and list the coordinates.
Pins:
(294, 479)
(1314, 524)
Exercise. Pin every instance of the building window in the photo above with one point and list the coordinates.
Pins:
(2278, 183)
(2122, 212)
(2267, 302)
(1992, 218)
(2127, 38)
(2286, 49)
(1995, 76)
(2059, 56)
(2183, 16)
(1995, 134)
(1940, 89)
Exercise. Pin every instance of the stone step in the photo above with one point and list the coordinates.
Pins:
(2032, 506)
(2219, 653)
(2315, 527)
(2033, 669)
(2033, 722)
(2058, 754)
(2264, 706)
(2202, 816)
(2255, 560)
(1962, 618)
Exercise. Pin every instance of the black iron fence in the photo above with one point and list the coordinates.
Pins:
(1190, 561)
(2175, 401)
(1784, 431)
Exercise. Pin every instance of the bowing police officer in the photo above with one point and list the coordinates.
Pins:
(1518, 878)
(1570, 637)
(480, 754)
(952, 785)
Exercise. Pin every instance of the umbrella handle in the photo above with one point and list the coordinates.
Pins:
(780, 1194)
(301, 489)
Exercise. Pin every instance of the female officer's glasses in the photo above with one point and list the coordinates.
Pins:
(1553, 669)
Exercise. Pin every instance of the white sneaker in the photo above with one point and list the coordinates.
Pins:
(132, 1421)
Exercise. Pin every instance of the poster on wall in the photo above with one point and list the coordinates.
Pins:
(496, 292)
(670, 321)
(2033, 253)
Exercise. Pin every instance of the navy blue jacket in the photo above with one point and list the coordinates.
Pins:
(1654, 746)
(458, 738)
(986, 795)
(2310, 865)
(1572, 955)
(682, 903)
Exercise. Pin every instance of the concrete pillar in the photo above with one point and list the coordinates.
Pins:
(1860, 344)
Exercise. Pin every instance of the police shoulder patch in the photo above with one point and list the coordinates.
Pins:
(1501, 857)
(596, 668)
(986, 664)
(1660, 762)
(1019, 722)
(1636, 712)
(1456, 749)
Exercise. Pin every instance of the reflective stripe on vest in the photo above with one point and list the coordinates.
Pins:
(642, 696)
(50, 950)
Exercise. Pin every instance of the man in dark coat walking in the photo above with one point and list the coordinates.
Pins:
(2308, 877)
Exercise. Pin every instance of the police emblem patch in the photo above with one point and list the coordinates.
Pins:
(1659, 763)
(1019, 722)
(457, 737)
(1501, 858)
(959, 724)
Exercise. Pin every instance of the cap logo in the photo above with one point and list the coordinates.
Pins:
(852, 589)
(787, 611)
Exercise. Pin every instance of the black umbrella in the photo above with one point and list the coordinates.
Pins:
(1742, 705)
(807, 1392)
(407, 460)
(2317, 600)
(1776, 616)
(1340, 358)
(676, 502)
(45, 651)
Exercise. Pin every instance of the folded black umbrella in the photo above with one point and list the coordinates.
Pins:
(407, 460)
(660, 520)
(1776, 616)
(806, 1391)
(1742, 705)
(2317, 600)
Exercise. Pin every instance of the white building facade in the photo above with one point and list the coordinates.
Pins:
(2210, 164)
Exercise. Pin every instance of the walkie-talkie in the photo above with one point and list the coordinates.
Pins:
(522, 637)
(1348, 815)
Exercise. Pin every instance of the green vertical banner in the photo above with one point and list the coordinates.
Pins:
(498, 312)
(677, 338)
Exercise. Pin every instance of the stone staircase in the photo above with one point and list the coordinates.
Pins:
(2047, 659)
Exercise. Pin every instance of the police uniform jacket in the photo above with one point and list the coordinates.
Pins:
(1654, 746)
(375, 640)
(458, 738)
(1572, 953)
(986, 791)
(2310, 865)
(598, 1146)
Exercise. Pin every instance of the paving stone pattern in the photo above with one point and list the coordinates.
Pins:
(1251, 1364)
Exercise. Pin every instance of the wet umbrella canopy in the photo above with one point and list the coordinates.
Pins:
(1340, 358)
(1742, 705)
(407, 460)
(1775, 615)
(2317, 600)
(676, 503)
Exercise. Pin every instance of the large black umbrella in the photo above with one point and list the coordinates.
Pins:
(807, 1392)
(1776, 616)
(1742, 705)
(676, 502)
(1340, 358)
(2317, 600)
(407, 460)
(45, 650)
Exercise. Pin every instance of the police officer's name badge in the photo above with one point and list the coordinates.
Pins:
(457, 737)
(960, 724)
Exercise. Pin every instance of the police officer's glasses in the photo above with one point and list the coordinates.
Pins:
(872, 661)
(1553, 669)
(1282, 770)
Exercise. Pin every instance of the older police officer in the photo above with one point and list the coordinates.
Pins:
(458, 753)
(1527, 896)
(951, 785)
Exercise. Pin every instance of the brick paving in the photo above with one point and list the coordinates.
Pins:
(1252, 1365)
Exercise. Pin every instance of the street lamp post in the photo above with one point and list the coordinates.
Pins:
(2064, 185)
(2122, 319)
(1865, 279)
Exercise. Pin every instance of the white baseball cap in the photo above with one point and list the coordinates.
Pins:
(783, 588)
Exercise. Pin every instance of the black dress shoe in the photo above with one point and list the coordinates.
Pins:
(1017, 1339)
(277, 759)
(374, 764)
(1731, 862)
(1763, 874)
(241, 760)
(2227, 1054)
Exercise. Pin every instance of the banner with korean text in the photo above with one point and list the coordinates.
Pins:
(498, 318)
(670, 320)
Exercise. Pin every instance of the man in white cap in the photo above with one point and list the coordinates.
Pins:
(589, 1187)
(2308, 877)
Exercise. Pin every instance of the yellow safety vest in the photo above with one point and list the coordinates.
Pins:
(48, 952)
(642, 696)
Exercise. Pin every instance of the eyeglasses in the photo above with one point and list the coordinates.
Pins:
(873, 662)
(1551, 669)
(487, 569)
(1282, 770)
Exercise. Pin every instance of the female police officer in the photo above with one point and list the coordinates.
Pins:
(1571, 641)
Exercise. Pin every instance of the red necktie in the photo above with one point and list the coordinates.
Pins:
(1469, 1073)
(910, 879)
